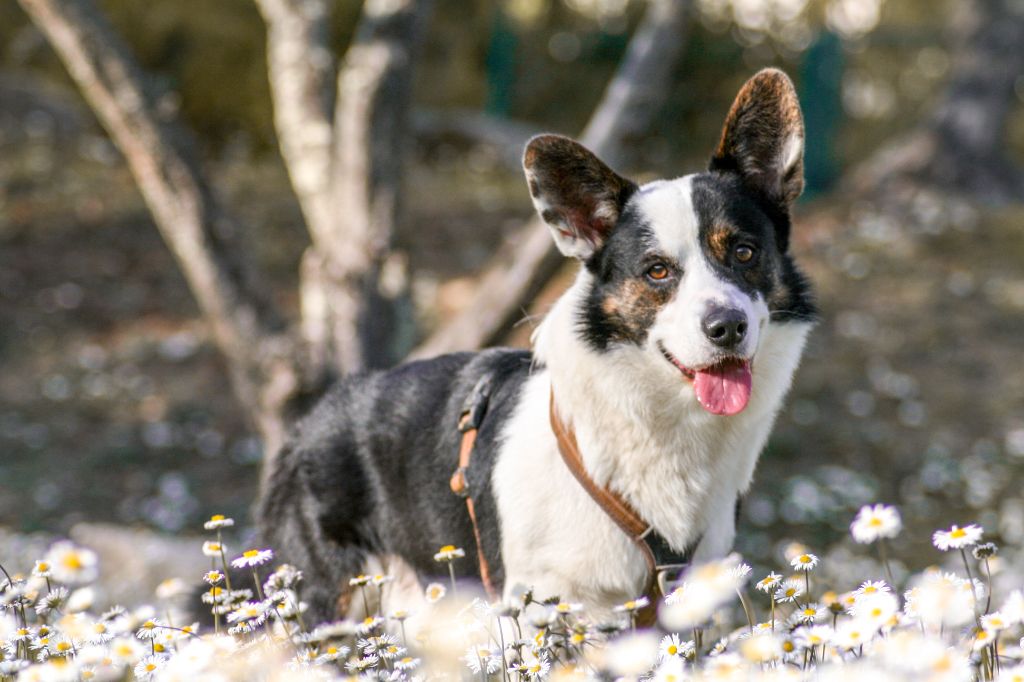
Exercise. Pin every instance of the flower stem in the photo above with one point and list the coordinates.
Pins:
(504, 662)
(366, 602)
(970, 577)
(256, 581)
(451, 573)
(988, 601)
(884, 555)
(746, 609)
(224, 562)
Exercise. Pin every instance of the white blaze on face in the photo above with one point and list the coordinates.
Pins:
(668, 208)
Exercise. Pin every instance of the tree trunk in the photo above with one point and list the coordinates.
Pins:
(529, 259)
(347, 173)
(959, 147)
(206, 241)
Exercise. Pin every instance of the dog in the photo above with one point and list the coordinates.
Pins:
(668, 359)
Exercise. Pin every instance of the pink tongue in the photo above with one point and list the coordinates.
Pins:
(724, 388)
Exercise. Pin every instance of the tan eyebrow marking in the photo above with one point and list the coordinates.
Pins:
(718, 240)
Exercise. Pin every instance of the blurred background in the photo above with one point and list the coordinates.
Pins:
(123, 401)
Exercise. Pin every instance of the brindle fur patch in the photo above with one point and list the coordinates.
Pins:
(719, 240)
(631, 308)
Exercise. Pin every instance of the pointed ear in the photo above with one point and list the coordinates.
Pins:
(763, 138)
(575, 193)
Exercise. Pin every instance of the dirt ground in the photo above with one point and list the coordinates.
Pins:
(115, 408)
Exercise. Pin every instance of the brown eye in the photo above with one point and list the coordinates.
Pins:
(743, 253)
(657, 271)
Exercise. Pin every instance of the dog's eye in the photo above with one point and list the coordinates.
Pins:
(658, 271)
(744, 253)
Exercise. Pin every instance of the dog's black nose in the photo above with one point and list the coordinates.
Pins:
(725, 327)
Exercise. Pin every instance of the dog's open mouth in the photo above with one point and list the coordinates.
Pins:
(722, 388)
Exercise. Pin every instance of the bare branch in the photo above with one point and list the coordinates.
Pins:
(203, 238)
(505, 136)
(642, 82)
(530, 260)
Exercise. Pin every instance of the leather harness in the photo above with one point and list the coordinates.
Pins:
(659, 557)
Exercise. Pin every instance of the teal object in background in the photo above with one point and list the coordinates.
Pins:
(820, 90)
(501, 66)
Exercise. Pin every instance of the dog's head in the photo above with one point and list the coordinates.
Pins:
(690, 272)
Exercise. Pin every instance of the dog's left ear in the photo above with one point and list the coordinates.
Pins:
(576, 194)
(763, 138)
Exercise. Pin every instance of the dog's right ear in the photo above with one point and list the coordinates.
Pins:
(575, 193)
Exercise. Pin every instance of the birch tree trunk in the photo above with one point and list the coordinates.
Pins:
(206, 241)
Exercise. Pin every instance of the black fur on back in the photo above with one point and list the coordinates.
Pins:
(367, 471)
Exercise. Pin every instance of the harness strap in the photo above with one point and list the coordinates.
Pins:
(657, 553)
(658, 556)
(469, 422)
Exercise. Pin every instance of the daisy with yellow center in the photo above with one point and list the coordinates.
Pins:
(804, 562)
(632, 605)
(957, 537)
(767, 583)
(218, 521)
(449, 553)
(252, 558)
(672, 645)
(876, 522)
(213, 549)
(789, 591)
(71, 564)
(435, 592)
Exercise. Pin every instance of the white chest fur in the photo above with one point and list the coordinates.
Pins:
(642, 433)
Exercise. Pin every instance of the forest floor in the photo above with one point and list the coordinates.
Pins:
(114, 407)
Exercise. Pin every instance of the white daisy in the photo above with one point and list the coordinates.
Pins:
(811, 636)
(769, 582)
(810, 613)
(632, 605)
(804, 562)
(214, 549)
(877, 608)
(218, 521)
(789, 590)
(149, 667)
(957, 537)
(406, 664)
(149, 629)
(672, 646)
(995, 621)
(449, 553)
(253, 557)
(565, 607)
(874, 522)
(253, 612)
(71, 564)
(851, 634)
(435, 592)
(869, 587)
(482, 658)
(213, 577)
